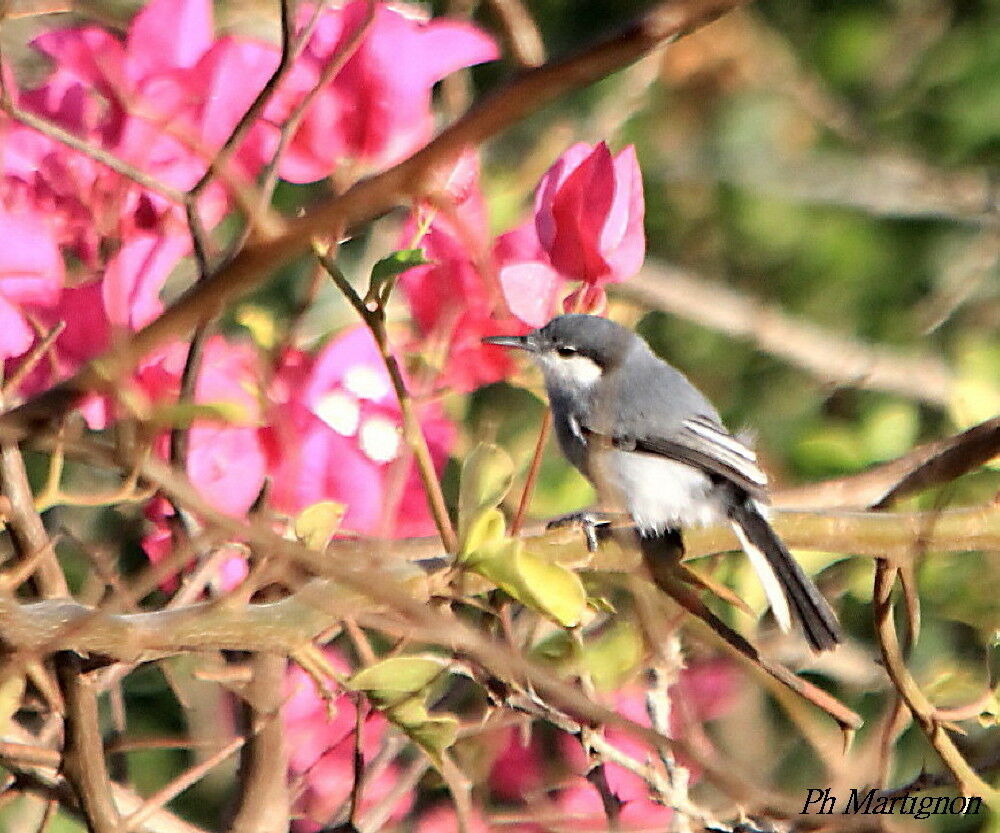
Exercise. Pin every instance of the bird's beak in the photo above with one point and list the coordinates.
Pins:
(520, 342)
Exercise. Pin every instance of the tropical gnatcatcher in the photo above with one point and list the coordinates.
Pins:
(652, 444)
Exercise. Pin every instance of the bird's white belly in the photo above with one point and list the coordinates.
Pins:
(658, 493)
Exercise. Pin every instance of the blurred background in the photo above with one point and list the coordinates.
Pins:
(809, 167)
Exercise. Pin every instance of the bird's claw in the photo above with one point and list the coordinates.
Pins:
(593, 524)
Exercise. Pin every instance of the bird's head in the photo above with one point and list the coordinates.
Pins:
(574, 351)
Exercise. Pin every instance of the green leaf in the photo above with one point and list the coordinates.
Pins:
(183, 414)
(396, 679)
(540, 584)
(433, 733)
(890, 430)
(486, 477)
(612, 657)
(385, 272)
(314, 526)
(486, 529)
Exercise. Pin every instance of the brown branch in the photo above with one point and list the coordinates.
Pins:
(969, 782)
(263, 797)
(30, 538)
(83, 748)
(831, 357)
(928, 465)
(281, 626)
(39, 777)
(370, 198)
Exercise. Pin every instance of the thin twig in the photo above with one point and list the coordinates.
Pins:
(185, 780)
(413, 432)
(27, 529)
(334, 65)
(532, 476)
(109, 160)
(969, 782)
(289, 51)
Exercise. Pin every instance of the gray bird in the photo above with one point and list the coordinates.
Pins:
(652, 444)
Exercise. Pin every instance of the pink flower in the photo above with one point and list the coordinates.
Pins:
(583, 809)
(517, 771)
(589, 212)
(321, 749)
(158, 544)
(335, 435)
(377, 109)
(31, 272)
(530, 284)
(451, 299)
(226, 460)
(442, 819)
(169, 96)
(164, 100)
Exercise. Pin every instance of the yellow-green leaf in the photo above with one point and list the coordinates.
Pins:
(183, 414)
(533, 581)
(433, 733)
(393, 680)
(613, 656)
(316, 524)
(486, 477)
(485, 529)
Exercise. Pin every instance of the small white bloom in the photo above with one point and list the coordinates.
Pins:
(365, 383)
(379, 439)
(340, 411)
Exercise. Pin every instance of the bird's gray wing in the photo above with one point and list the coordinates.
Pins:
(701, 442)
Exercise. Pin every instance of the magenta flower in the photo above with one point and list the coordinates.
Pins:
(31, 272)
(163, 100)
(452, 310)
(321, 749)
(530, 284)
(589, 213)
(335, 435)
(377, 109)
(226, 461)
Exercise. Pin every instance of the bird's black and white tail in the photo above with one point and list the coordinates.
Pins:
(789, 590)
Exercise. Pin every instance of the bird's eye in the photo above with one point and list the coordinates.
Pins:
(566, 352)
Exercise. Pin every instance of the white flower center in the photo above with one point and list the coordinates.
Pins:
(340, 411)
(365, 383)
(379, 439)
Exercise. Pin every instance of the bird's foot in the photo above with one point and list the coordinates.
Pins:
(595, 525)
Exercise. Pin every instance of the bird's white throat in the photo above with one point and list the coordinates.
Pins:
(577, 372)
